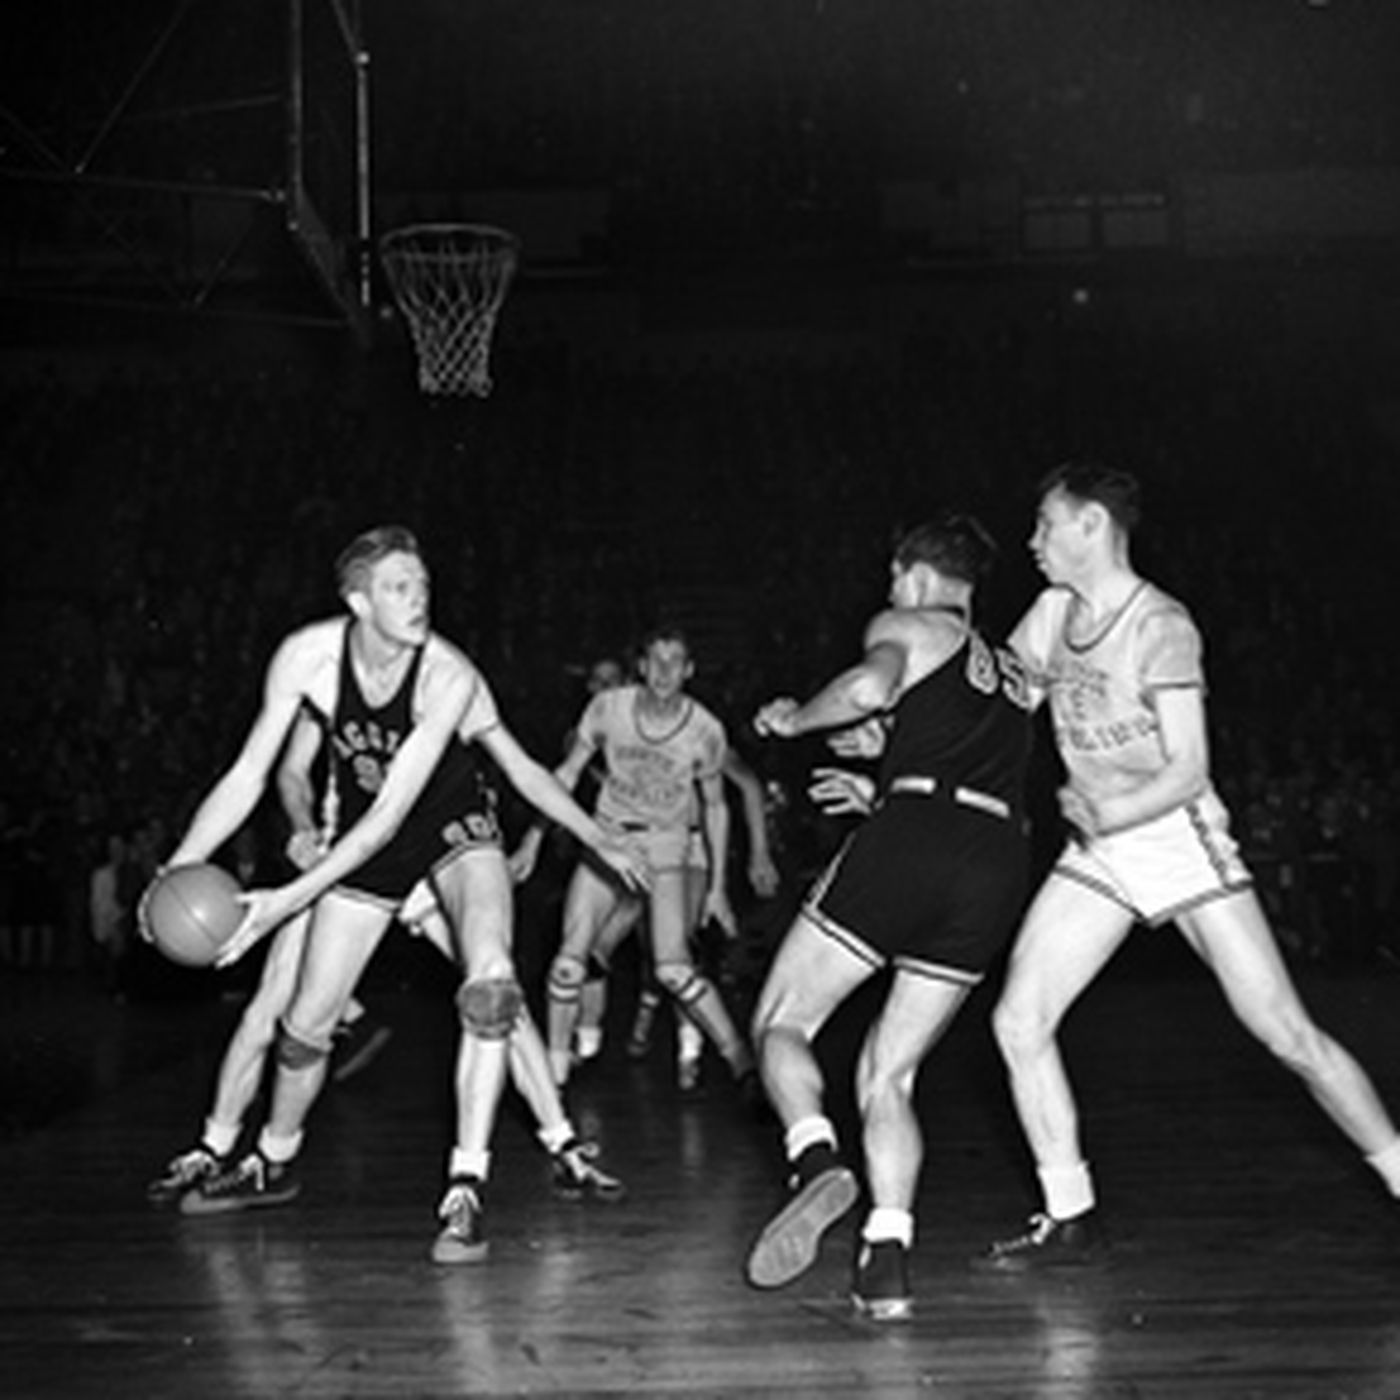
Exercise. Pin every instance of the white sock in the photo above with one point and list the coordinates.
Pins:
(279, 1150)
(1387, 1164)
(557, 1137)
(469, 1162)
(219, 1138)
(588, 1041)
(690, 1042)
(889, 1223)
(1069, 1191)
(807, 1132)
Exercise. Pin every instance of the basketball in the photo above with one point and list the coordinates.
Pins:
(191, 911)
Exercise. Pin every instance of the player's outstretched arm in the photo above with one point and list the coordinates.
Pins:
(548, 795)
(231, 800)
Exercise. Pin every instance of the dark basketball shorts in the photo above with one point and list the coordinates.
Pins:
(426, 842)
(927, 884)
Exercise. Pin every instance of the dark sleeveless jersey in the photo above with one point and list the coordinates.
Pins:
(967, 724)
(363, 740)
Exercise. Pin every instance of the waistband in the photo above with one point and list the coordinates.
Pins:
(920, 785)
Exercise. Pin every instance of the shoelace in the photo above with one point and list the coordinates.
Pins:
(1042, 1226)
(460, 1199)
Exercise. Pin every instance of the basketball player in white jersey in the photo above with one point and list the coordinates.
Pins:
(1120, 663)
(657, 743)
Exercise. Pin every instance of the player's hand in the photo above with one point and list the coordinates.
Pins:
(627, 860)
(839, 792)
(265, 911)
(143, 907)
(718, 910)
(763, 875)
(1079, 812)
(522, 861)
(863, 740)
(305, 849)
(777, 718)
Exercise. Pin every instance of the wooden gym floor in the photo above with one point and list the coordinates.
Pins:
(1254, 1256)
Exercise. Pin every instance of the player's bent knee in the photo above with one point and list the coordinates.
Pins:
(296, 1052)
(566, 975)
(490, 1008)
(682, 980)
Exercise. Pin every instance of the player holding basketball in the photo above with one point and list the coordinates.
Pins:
(656, 742)
(930, 886)
(575, 1174)
(1120, 662)
(401, 707)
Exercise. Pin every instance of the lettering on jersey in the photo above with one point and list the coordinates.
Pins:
(1015, 679)
(988, 669)
(366, 751)
(1084, 711)
(981, 666)
(648, 779)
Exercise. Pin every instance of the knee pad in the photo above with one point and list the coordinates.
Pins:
(293, 1052)
(566, 975)
(683, 980)
(489, 1009)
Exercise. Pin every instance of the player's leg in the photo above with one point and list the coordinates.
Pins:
(690, 1040)
(1233, 938)
(593, 996)
(476, 896)
(694, 994)
(575, 1173)
(917, 1011)
(241, 1069)
(343, 934)
(811, 975)
(1069, 934)
(588, 902)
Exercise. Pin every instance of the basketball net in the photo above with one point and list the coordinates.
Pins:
(450, 280)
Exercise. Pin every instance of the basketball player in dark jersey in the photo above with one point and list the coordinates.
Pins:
(307, 802)
(401, 704)
(930, 886)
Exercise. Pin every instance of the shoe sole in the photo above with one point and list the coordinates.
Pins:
(788, 1246)
(363, 1057)
(1032, 1261)
(448, 1249)
(884, 1309)
(603, 1195)
(197, 1203)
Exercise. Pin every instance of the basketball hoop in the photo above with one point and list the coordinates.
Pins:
(449, 280)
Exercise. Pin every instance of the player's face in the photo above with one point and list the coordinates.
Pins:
(665, 668)
(605, 675)
(398, 598)
(1058, 542)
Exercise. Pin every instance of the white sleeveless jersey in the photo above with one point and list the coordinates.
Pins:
(1103, 691)
(650, 775)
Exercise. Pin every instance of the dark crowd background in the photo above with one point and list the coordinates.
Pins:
(170, 515)
(166, 528)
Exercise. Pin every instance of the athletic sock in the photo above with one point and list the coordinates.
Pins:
(1386, 1163)
(466, 1161)
(808, 1132)
(220, 1138)
(557, 1137)
(279, 1150)
(1069, 1191)
(889, 1223)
